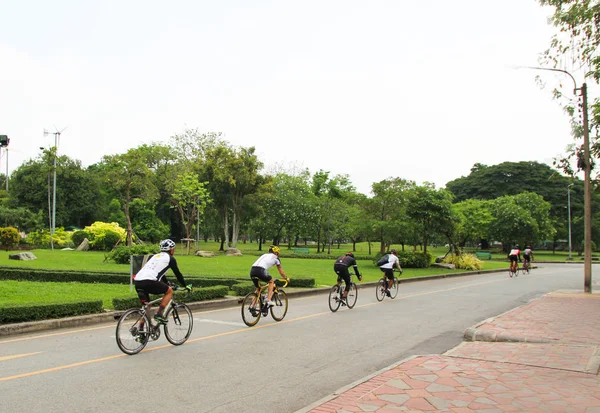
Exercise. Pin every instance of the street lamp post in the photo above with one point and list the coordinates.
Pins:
(53, 223)
(569, 212)
(587, 186)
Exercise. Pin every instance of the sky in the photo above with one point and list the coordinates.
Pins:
(420, 90)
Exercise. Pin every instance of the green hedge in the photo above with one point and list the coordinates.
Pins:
(31, 274)
(409, 259)
(200, 294)
(244, 288)
(16, 314)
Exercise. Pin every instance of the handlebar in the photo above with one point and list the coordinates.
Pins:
(285, 283)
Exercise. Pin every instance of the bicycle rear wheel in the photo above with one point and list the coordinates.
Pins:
(132, 331)
(279, 310)
(352, 296)
(179, 327)
(380, 289)
(394, 288)
(335, 296)
(251, 309)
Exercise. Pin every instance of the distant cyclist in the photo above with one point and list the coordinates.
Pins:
(388, 269)
(513, 256)
(261, 266)
(527, 256)
(341, 269)
(151, 278)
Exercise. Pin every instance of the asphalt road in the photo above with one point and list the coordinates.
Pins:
(272, 367)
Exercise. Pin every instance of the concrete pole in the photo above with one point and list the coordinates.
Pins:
(587, 199)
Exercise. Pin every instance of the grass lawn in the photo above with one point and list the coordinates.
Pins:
(25, 292)
(29, 292)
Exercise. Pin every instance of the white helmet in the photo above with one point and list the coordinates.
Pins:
(166, 245)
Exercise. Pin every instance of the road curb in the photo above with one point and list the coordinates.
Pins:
(90, 319)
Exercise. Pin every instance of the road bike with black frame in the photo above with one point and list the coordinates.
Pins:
(336, 295)
(135, 327)
(381, 287)
(514, 273)
(254, 304)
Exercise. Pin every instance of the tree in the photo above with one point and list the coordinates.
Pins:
(474, 218)
(386, 207)
(522, 218)
(431, 209)
(189, 198)
(577, 41)
(130, 177)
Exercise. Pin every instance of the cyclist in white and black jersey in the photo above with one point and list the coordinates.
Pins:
(151, 278)
(388, 269)
(261, 266)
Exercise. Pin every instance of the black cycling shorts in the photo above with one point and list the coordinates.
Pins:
(513, 258)
(527, 258)
(146, 287)
(389, 272)
(261, 274)
(343, 273)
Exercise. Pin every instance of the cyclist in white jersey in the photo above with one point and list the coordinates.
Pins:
(151, 278)
(260, 267)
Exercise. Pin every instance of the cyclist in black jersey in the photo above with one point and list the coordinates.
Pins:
(341, 269)
(151, 278)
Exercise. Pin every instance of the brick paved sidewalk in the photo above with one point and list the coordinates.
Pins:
(558, 372)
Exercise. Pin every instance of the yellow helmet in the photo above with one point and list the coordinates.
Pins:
(274, 249)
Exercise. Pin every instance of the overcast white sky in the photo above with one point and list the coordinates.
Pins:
(420, 90)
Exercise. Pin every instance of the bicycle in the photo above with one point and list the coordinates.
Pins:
(254, 303)
(135, 328)
(526, 267)
(514, 273)
(381, 287)
(336, 295)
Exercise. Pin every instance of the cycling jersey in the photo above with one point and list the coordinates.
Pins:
(392, 262)
(157, 266)
(266, 261)
(347, 261)
(515, 252)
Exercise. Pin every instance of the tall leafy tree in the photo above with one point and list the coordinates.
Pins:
(131, 178)
(431, 209)
(190, 198)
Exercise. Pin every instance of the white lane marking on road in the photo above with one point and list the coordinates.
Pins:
(227, 323)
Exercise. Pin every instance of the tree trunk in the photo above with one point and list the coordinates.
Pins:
(129, 227)
(226, 225)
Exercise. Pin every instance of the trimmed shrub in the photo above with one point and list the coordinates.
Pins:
(200, 294)
(243, 288)
(410, 259)
(16, 314)
(32, 274)
(464, 261)
(78, 236)
(9, 237)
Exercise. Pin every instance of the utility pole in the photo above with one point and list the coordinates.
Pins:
(587, 185)
(587, 198)
(569, 212)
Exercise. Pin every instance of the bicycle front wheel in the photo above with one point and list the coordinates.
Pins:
(352, 296)
(179, 325)
(132, 331)
(394, 288)
(380, 289)
(335, 295)
(251, 309)
(279, 310)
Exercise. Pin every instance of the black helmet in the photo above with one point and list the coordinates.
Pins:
(350, 254)
(393, 251)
